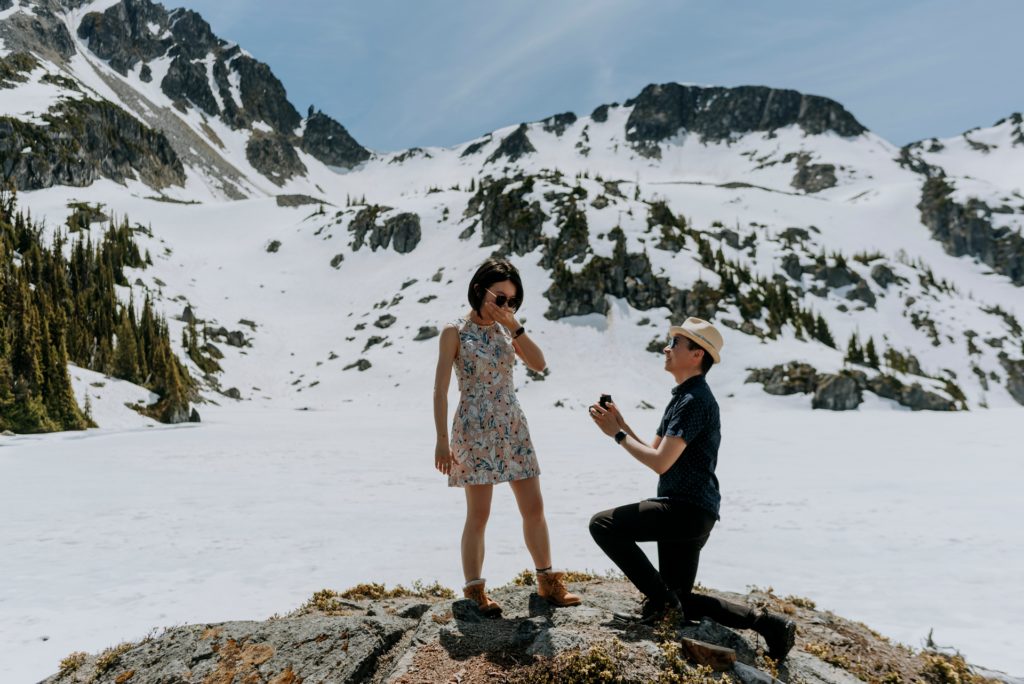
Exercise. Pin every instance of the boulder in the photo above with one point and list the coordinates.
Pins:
(792, 378)
(837, 392)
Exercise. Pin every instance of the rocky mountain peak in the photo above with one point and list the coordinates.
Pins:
(717, 113)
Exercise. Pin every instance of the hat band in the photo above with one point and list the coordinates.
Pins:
(710, 343)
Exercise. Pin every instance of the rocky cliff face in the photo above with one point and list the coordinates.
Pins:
(662, 111)
(82, 141)
(423, 636)
(200, 71)
(966, 229)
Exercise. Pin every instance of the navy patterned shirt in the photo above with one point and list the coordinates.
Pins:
(693, 415)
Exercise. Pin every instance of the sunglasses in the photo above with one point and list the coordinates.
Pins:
(675, 341)
(502, 300)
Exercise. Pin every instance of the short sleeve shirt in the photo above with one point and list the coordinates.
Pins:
(692, 414)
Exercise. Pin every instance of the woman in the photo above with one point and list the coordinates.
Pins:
(490, 441)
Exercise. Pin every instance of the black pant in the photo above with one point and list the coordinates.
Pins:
(681, 530)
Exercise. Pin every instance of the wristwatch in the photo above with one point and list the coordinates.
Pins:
(619, 436)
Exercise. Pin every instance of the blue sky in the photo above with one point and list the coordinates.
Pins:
(399, 73)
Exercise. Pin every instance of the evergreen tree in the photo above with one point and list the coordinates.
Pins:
(870, 355)
(854, 354)
(822, 333)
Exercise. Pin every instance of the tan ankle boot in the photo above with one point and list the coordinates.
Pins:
(550, 586)
(475, 592)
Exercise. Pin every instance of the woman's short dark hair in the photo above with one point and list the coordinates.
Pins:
(706, 362)
(490, 272)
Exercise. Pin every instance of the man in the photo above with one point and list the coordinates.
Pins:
(684, 454)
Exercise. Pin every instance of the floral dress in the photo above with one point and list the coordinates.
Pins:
(490, 438)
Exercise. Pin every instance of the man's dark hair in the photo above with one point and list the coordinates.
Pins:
(706, 362)
(490, 272)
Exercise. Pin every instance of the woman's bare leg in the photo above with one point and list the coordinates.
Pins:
(478, 509)
(535, 526)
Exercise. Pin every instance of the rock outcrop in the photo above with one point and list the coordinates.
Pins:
(966, 229)
(513, 146)
(82, 141)
(843, 391)
(422, 636)
(327, 140)
(401, 230)
(662, 111)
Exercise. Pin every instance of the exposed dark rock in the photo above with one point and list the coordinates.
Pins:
(364, 222)
(187, 316)
(794, 234)
(791, 266)
(40, 32)
(1014, 376)
(327, 140)
(272, 155)
(792, 378)
(662, 111)
(336, 260)
(385, 321)
(600, 113)
(883, 275)
(559, 122)
(840, 392)
(233, 338)
(507, 218)
(1017, 134)
(914, 397)
(629, 276)
(513, 146)
(298, 200)
(836, 275)
(83, 140)
(193, 416)
(862, 292)
(573, 241)
(404, 231)
(966, 229)
(274, 246)
(426, 332)
(473, 148)
(193, 36)
(145, 73)
(360, 365)
(122, 36)
(730, 237)
(263, 96)
(232, 393)
(812, 178)
(187, 81)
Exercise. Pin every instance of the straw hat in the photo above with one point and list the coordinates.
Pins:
(701, 332)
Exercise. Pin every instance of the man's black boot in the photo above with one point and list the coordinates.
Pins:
(654, 611)
(779, 634)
